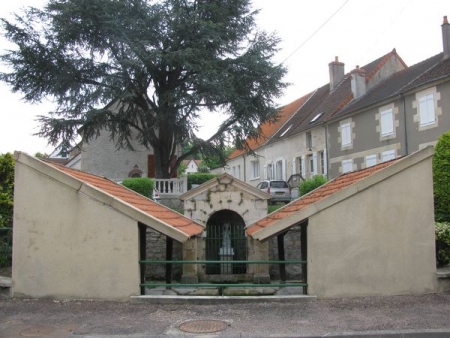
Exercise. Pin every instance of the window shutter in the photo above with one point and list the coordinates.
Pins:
(303, 167)
(294, 169)
(283, 169)
(431, 117)
(314, 164)
(325, 163)
(387, 123)
(265, 172)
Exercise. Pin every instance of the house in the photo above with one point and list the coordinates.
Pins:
(402, 114)
(264, 163)
(374, 113)
(191, 166)
(301, 145)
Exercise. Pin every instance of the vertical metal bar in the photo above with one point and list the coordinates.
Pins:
(281, 256)
(142, 253)
(304, 254)
(169, 256)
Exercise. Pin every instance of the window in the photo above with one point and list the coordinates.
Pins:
(346, 134)
(284, 132)
(371, 160)
(322, 162)
(311, 165)
(315, 118)
(269, 172)
(255, 169)
(426, 110)
(308, 140)
(387, 155)
(387, 123)
(347, 166)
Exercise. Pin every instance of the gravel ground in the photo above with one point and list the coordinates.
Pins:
(266, 319)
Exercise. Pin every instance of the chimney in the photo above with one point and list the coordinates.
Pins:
(336, 73)
(358, 82)
(446, 37)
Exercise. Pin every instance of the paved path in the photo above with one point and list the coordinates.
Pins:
(403, 315)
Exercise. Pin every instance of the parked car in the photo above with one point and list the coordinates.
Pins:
(278, 189)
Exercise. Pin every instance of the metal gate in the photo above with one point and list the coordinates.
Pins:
(225, 241)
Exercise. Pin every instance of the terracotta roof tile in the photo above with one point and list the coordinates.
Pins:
(269, 129)
(315, 196)
(155, 210)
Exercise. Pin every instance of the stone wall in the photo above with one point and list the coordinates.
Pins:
(292, 251)
(156, 249)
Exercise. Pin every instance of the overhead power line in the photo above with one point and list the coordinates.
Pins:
(316, 31)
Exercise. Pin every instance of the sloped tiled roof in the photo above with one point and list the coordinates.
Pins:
(428, 70)
(315, 196)
(268, 129)
(150, 208)
(326, 103)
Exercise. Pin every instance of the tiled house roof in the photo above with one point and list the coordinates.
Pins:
(428, 70)
(163, 215)
(340, 183)
(326, 104)
(269, 129)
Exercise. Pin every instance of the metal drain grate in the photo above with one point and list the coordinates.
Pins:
(37, 331)
(203, 326)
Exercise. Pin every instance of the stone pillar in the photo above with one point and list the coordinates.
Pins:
(190, 271)
(259, 251)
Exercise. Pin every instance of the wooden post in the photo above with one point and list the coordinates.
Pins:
(304, 254)
(281, 256)
(169, 256)
(142, 253)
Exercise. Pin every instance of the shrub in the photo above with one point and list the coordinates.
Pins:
(310, 184)
(199, 178)
(441, 178)
(141, 185)
(442, 243)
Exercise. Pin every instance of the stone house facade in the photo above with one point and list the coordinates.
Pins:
(377, 112)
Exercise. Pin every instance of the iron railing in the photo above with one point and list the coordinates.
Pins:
(251, 265)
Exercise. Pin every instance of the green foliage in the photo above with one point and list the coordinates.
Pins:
(5, 247)
(142, 185)
(442, 243)
(6, 189)
(181, 169)
(145, 71)
(441, 178)
(41, 156)
(202, 168)
(312, 183)
(272, 208)
(199, 179)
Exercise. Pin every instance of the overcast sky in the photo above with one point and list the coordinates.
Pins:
(313, 33)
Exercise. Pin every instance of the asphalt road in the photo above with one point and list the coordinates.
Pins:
(403, 316)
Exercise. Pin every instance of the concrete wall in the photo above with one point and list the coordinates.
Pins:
(67, 245)
(377, 242)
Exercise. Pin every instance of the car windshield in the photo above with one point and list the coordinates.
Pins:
(278, 184)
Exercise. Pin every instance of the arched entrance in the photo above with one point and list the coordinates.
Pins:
(226, 241)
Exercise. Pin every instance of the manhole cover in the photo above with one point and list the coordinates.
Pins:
(37, 331)
(203, 326)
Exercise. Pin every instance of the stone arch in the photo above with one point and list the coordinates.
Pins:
(225, 240)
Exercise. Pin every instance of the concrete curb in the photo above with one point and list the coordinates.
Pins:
(368, 334)
(218, 299)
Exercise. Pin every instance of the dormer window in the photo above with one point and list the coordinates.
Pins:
(284, 132)
(315, 118)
